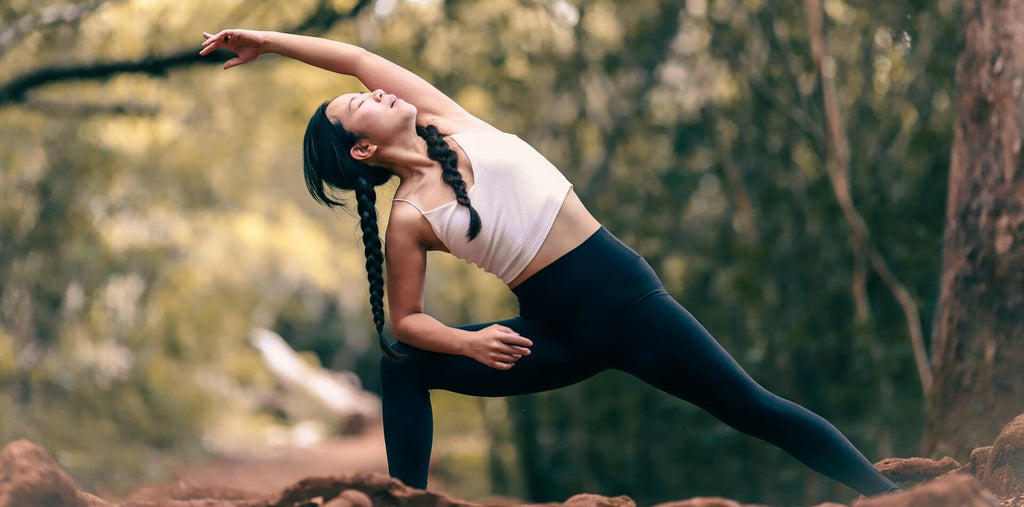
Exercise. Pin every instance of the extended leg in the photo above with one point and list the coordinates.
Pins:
(673, 352)
(408, 420)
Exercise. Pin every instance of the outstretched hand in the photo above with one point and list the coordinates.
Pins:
(246, 44)
(498, 346)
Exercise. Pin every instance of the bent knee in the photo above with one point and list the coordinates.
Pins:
(405, 370)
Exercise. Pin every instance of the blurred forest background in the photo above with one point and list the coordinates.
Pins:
(152, 212)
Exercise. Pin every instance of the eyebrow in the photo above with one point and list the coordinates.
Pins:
(350, 101)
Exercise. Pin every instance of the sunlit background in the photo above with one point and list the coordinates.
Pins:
(153, 218)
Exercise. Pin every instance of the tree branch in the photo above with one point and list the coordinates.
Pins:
(89, 109)
(740, 196)
(15, 90)
(319, 21)
(47, 16)
(837, 164)
(795, 114)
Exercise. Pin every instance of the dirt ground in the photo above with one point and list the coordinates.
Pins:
(267, 470)
(352, 472)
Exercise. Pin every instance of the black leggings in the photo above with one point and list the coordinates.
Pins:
(601, 306)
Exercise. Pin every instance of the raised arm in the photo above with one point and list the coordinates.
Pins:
(373, 70)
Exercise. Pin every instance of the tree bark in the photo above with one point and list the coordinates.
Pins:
(978, 355)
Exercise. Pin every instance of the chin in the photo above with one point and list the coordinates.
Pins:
(410, 115)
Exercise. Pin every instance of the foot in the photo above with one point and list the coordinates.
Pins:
(894, 489)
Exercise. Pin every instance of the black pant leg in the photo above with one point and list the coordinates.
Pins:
(408, 421)
(670, 350)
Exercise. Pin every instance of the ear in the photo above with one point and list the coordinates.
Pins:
(363, 150)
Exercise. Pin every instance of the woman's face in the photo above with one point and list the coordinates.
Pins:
(375, 116)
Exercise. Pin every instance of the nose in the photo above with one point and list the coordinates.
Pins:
(378, 95)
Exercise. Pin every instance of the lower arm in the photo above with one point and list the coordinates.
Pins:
(327, 54)
(425, 332)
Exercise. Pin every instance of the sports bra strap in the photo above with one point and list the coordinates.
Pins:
(410, 202)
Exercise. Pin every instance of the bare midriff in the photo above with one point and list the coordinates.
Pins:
(573, 225)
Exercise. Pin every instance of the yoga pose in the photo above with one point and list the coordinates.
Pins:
(587, 302)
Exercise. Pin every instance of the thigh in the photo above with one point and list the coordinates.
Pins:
(553, 362)
(669, 349)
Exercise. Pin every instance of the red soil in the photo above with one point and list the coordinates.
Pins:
(29, 476)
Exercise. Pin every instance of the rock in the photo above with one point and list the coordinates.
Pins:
(707, 501)
(591, 500)
(915, 469)
(1003, 473)
(92, 500)
(979, 458)
(702, 501)
(379, 488)
(951, 490)
(350, 498)
(182, 491)
(29, 476)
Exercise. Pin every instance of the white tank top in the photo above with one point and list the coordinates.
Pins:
(517, 193)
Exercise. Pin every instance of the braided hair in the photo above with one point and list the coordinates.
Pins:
(328, 166)
(439, 150)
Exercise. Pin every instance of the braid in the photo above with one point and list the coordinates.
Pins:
(438, 149)
(366, 198)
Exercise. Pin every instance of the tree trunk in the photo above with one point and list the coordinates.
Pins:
(978, 352)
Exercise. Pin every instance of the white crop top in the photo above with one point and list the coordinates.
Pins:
(517, 193)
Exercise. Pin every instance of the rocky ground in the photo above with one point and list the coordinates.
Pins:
(994, 476)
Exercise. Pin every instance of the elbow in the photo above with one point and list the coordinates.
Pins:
(398, 329)
(405, 325)
(399, 337)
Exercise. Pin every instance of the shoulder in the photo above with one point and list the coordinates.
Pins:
(404, 223)
(409, 230)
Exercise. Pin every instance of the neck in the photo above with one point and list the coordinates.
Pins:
(407, 158)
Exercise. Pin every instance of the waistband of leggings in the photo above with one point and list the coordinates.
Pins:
(589, 257)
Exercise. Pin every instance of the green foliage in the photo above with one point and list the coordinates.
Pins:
(137, 251)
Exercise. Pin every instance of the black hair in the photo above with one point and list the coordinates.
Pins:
(328, 167)
(438, 149)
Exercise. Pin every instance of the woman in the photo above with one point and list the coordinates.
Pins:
(587, 302)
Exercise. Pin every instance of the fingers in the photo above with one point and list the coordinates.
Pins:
(211, 43)
(507, 358)
(505, 348)
(500, 365)
(232, 62)
(517, 340)
(213, 38)
(515, 337)
(503, 360)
